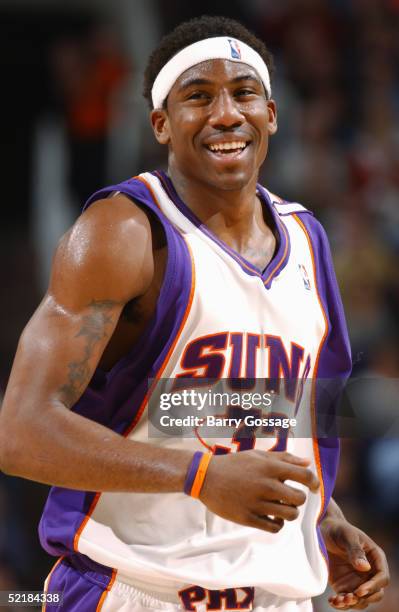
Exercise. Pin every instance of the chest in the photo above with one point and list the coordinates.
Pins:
(238, 325)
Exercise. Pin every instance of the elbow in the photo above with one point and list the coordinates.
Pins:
(9, 452)
(7, 463)
(21, 446)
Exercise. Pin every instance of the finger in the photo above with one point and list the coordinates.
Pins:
(375, 584)
(266, 523)
(381, 573)
(290, 458)
(300, 474)
(284, 493)
(374, 597)
(343, 599)
(361, 605)
(278, 510)
(361, 564)
(338, 606)
(342, 606)
(357, 556)
(345, 585)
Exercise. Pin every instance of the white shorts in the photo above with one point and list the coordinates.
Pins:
(125, 598)
(87, 590)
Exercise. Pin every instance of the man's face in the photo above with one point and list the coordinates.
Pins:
(217, 124)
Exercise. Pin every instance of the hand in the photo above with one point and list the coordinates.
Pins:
(249, 488)
(358, 567)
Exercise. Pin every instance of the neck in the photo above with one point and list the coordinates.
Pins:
(235, 216)
(227, 212)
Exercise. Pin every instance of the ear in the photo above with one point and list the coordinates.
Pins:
(160, 125)
(272, 117)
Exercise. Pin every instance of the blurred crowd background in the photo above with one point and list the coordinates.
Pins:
(73, 120)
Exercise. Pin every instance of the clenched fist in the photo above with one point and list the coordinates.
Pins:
(249, 488)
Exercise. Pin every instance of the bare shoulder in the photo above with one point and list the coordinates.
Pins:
(107, 254)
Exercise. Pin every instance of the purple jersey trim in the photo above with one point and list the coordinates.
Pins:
(114, 398)
(335, 362)
(280, 259)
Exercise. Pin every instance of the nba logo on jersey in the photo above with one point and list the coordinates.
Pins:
(305, 276)
(234, 49)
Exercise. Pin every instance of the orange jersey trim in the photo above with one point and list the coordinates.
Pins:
(84, 522)
(48, 579)
(283, 258)
(150, 189)
(107, 590)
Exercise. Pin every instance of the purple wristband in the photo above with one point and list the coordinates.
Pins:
(192, 471)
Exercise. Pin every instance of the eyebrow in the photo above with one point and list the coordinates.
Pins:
(200, 81)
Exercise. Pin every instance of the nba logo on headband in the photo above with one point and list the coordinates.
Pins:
(234, 49)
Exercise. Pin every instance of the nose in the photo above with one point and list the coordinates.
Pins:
(226, 113)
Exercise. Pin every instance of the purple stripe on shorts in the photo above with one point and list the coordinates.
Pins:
(81, 587)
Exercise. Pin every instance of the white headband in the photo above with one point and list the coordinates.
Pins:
(221, 47)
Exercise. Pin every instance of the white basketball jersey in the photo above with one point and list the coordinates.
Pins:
(220, 317)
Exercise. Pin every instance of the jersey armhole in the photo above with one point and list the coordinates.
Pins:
(175, 284)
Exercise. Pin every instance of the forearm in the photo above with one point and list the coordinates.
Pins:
(65, 449)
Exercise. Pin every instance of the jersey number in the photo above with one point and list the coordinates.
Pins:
(245, 435)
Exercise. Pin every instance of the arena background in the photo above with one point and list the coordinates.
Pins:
(73, 120)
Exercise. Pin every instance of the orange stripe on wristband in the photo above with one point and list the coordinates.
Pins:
(200, 475)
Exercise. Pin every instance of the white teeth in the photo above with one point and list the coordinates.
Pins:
(227, 146)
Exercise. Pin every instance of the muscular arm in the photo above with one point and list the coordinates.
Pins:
(102, 263)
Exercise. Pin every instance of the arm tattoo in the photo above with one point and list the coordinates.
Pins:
(93, 330)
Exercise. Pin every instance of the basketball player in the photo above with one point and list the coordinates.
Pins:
(197, 273)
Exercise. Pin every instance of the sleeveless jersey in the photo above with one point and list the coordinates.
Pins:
(220, 316)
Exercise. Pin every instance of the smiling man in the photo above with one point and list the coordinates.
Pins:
(199, 273)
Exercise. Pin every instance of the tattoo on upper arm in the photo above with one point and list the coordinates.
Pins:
(95, 326)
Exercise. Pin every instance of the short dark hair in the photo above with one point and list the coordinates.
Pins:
(192, 31)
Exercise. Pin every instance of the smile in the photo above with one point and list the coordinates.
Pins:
(228, 147)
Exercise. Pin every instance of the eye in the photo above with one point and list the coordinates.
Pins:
(198, 95)
(244, 91)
